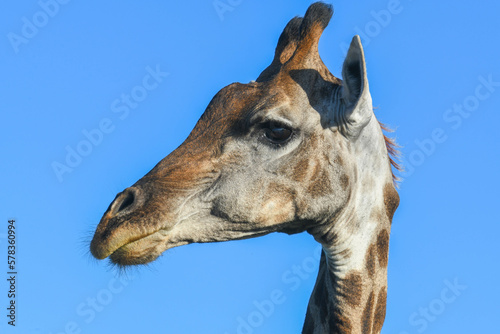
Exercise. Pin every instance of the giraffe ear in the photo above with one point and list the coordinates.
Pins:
(356, 98)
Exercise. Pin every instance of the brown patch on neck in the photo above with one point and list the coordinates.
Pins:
(379, 317)
(366, 319)
(370, 260)
(383, 248)
(391, 200)
(340, 324)
(351, 288)
(347, 293)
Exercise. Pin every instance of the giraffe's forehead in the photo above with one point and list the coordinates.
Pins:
(232, 108)
(237, 106)
(232, 104)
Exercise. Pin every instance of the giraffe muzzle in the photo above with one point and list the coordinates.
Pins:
(117, 229)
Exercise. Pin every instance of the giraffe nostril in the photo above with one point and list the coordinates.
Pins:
(125, 200)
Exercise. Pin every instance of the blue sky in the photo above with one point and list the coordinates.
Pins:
(66, 70)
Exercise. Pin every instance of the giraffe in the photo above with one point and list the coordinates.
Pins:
(297, 150)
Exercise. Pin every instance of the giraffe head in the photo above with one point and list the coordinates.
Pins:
(285, 153)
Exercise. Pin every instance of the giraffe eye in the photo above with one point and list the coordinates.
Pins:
(277, 133)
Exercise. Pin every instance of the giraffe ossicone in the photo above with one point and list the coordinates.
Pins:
(298, 150)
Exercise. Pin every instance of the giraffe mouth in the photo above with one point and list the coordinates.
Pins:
(143, 250)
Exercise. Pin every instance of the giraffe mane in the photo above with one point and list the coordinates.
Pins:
(393, 153)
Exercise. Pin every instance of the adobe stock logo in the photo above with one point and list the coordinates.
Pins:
(223, 6)
(263, 309)
(454, 117)
(31, 26)
(432, 311)
(381, 19)
(88, 310)
(122, 107)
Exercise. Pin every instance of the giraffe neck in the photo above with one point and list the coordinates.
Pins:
(349, 297)
(351, 289)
